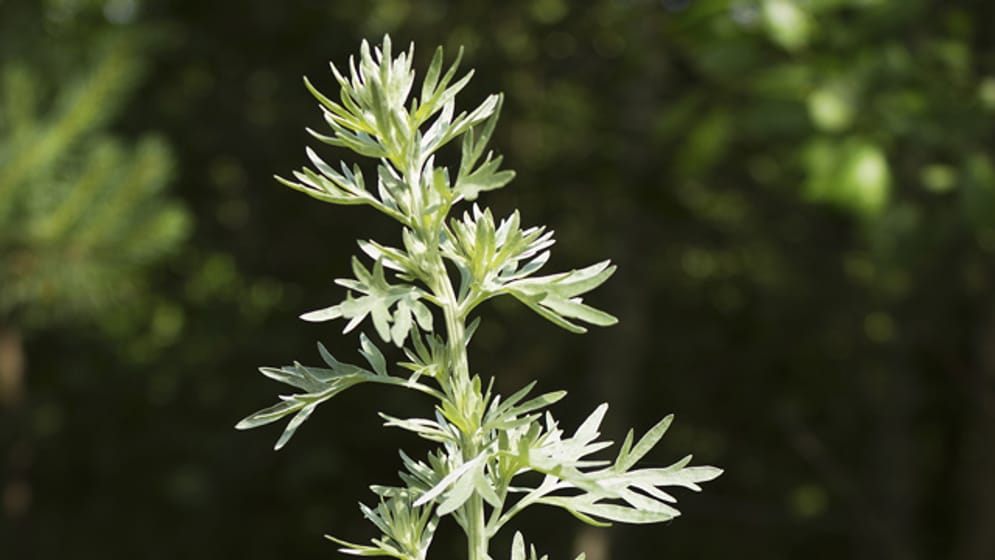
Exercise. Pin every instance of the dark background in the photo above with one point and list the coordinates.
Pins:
(800, 197)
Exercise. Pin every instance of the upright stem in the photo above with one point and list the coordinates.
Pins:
(459, 367)
(476, 530)
(462, 389)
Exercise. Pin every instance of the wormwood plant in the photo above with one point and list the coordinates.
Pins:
(485, 441)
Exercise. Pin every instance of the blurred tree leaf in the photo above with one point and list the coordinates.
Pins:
(82, 213)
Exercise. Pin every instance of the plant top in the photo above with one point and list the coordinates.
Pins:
(447, 266)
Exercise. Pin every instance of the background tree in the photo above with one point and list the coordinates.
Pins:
(82, 212)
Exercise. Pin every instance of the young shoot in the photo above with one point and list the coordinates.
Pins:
(452, 258)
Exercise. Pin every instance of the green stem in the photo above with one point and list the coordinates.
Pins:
(464, 394)
(476, 527)
(462, 390)
(406, 383)
(476, 531)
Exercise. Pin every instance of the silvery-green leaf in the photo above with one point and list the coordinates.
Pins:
(268, 415)
(433, 88)
(372, 355)
(518, 547)
(448, 481)
(427, 429)
(484, 487)
(687, 477)
(542, 401)
(319, 384)
(476, 139)
(360, 549)
(484, 178)
(608, 512)
(394, 259)
(294, 423)
(554, 296)
(433, 73)
(461, 490)
(627, 459)
(501, 407)
(569, 284)
(387, 304)
(588, 430)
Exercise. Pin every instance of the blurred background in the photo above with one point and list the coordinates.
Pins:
(800, 195)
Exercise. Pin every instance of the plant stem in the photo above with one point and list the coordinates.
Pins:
(476, 530)
(466, 398)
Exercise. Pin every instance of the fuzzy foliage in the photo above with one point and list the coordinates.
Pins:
(485, 442)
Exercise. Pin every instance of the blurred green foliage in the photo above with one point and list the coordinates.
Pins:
(80, 211)
(800, 195)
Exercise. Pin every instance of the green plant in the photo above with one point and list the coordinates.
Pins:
(485, 441)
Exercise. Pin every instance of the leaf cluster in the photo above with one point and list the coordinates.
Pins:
(448, 266)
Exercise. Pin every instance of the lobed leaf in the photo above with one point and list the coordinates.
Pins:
(554, 296)
(628, 458)
(391, 307)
